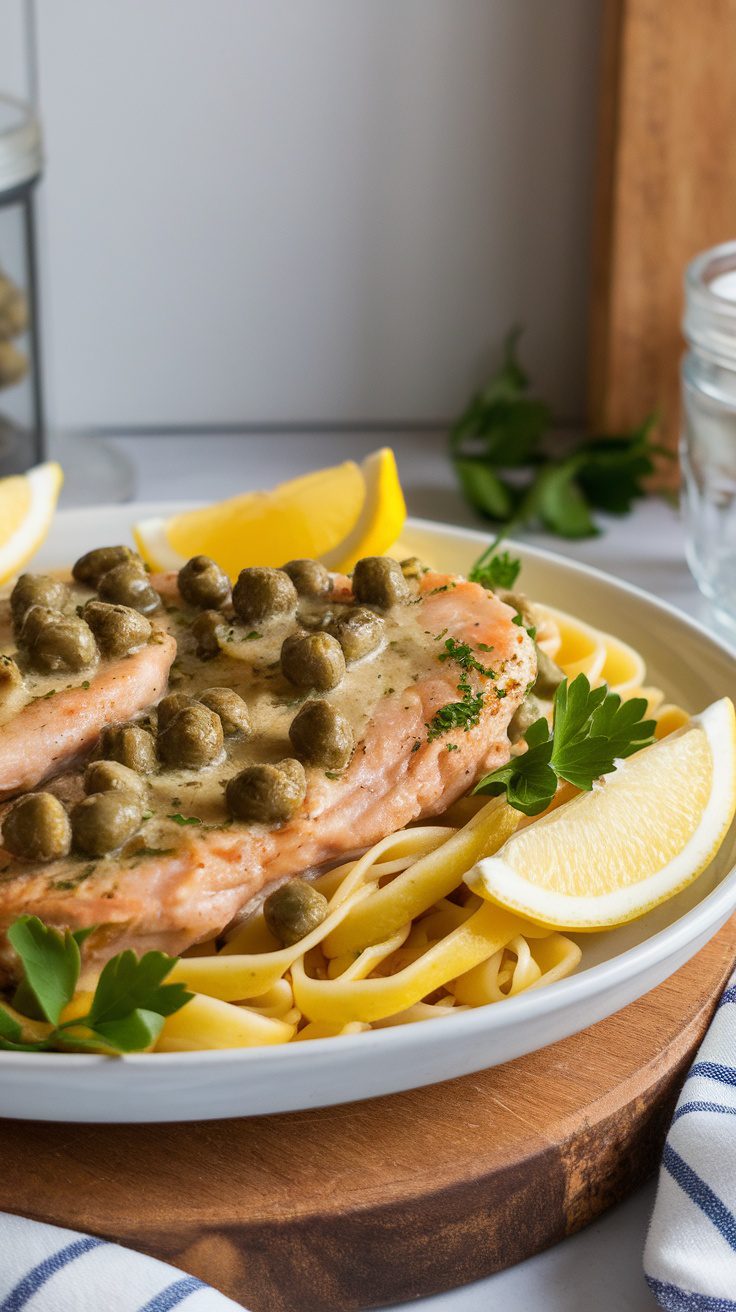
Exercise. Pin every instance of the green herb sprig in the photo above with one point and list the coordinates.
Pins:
(508, 471)
(128, 1007)
(592, 728)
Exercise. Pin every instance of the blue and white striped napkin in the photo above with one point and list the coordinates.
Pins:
(46, 1269)
(690, 1255)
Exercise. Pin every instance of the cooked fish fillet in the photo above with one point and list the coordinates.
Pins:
(192, 871)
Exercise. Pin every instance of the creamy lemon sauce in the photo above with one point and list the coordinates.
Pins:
(249, 664)
(35, 685)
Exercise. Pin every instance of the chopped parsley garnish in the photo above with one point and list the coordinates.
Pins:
(127, 1010)
(462, 654)
(184, 819)
(530, 628)
(451, 747)
(250, 637)
(592, 729)
(333, 774)
(464, 714)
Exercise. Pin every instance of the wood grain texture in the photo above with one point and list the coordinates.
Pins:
(355, 1206)
(666, 189)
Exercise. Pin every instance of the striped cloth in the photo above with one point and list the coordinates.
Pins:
(690, 1255)
(46, 1269)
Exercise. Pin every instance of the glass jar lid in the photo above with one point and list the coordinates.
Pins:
(21, 157)
(709, 323)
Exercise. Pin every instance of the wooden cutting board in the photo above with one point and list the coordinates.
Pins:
(357, 1206)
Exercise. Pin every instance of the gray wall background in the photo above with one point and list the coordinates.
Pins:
(329, 210)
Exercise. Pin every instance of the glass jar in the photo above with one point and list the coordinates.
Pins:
(708, 444)
(21, 402)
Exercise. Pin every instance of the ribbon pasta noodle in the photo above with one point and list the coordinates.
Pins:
(404, 940)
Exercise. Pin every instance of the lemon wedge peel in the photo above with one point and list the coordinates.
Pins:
(27, 505)
(336, 515)
(500, 879)
(381, 518)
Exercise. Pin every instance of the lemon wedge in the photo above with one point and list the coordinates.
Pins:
(335, 515)
(641, 835)
(27, 505)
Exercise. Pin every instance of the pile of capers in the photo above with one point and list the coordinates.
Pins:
(51, 641)
(119, 576)
(38, 827)
(53, 638)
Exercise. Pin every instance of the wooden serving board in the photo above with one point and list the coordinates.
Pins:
(357, 1206)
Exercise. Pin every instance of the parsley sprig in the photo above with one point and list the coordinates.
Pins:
(127, 1010)
(592, 729)
(508, 471)
(495, 570)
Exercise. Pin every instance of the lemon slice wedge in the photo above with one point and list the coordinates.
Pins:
(335, 515)
(27, 505)
(643, 834)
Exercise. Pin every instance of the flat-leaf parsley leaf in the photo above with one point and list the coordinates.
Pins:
(592, 729)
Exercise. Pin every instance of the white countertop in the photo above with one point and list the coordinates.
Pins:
(601, 1267)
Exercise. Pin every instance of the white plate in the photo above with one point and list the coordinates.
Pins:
(617, 967)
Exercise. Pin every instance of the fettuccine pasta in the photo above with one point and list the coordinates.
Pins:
(404, 939)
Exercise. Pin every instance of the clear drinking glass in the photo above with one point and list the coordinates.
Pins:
(708, 443)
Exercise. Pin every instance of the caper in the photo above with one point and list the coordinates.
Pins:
(56, 643)
(93, 564)
(10, 676)
(231, 708)
(263, 594)
(293, 910)
(358, 631)
(37, 590)
(203, 583)
(309, 577)
(128, 585)
(104, 821)
(192, 738)
(412, 568)
(34, 620)
(118, 629)
(131, 745)
(205, 630)
(378, 581)
(549, 676)
(37, 827)
(524, 717)
(321, 735)
(312, 660)
(268, 794)
(170, 705)
(112, 777)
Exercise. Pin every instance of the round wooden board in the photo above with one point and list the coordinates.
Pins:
(376, 1202)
